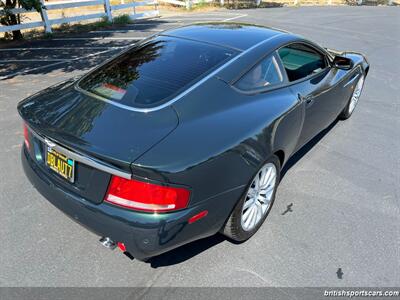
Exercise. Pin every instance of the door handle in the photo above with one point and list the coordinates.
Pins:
(309, 99)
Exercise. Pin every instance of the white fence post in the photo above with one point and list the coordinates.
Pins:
(156, 6)
(221, 2)
(107, 9)
(188, 4)
(45, 18)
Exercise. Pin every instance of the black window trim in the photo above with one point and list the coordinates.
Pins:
(313, 46)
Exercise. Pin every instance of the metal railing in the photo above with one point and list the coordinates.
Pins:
(108, 13)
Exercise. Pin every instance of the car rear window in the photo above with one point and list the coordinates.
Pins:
(152, 73)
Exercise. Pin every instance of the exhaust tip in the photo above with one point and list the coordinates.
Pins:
(108, 243)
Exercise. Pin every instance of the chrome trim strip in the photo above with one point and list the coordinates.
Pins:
(352, 80)
(184, 93)
(133, 204)
(81, 158)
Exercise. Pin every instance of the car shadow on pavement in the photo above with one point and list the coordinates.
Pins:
(192, 249)
(307, 147)
(185, 252)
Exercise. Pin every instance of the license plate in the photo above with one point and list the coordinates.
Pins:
(60, 164)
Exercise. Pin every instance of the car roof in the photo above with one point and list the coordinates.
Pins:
(238, 36)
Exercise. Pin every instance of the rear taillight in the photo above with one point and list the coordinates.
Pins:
(144, 196)
(26, 136)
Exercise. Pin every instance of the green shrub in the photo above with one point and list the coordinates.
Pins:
(121, 19)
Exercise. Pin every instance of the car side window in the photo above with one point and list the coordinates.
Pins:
(300, 61)
(264, 74)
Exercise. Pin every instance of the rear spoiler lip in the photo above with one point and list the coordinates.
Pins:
(79, 157)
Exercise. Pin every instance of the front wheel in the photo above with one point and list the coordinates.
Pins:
(253, 208)
(351, 105)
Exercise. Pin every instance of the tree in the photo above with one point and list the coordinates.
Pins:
(8, 18)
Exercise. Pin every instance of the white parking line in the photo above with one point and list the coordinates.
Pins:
(53, 64)
(234, 18)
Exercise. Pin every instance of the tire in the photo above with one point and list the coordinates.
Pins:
(355, 97)
(235, 227)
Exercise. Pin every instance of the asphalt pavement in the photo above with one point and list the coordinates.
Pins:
(336, 218)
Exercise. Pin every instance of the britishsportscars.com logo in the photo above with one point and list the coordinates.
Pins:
(361, 293)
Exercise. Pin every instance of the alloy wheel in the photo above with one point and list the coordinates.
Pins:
(258, 197)
(356, 94)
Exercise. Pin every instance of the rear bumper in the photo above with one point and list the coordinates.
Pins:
(144, 235)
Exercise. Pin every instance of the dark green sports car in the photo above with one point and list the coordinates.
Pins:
(184, 134)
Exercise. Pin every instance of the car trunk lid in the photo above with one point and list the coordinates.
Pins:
(94, 128)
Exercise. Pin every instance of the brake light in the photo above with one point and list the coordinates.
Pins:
(144, 196)
(26, 136)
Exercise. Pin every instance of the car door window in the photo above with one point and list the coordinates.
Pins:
(264, 74)
(300, 61)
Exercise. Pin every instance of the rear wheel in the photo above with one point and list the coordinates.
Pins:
(253, 208)
(351, 105)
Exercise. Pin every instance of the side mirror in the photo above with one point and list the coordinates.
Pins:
(343, 63)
